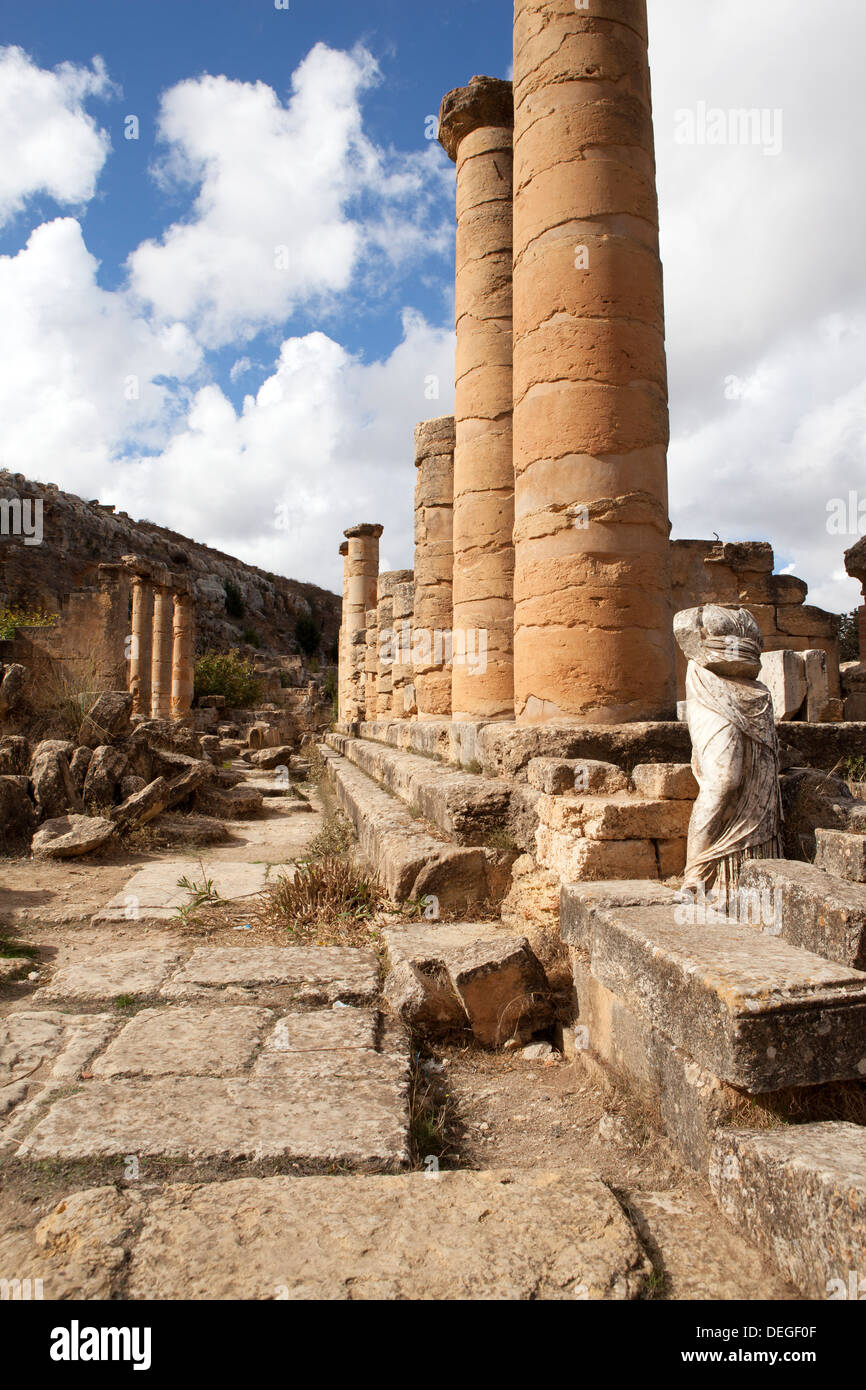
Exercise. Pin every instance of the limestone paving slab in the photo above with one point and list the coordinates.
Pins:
(461, 1235)
(323, 1031)
(800, 1193)
(309, 973)
(92, 978)
(185, 1041)
(154, 894)
(319, 1119)
(42, 1051)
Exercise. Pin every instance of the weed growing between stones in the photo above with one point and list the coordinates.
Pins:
(330, 892)
(433, 1124)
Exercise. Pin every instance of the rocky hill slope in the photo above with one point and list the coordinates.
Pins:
(236, 604)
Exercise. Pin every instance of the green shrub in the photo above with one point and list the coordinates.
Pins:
(308, 634)
(251, 637)
(228, 674)
(13, 618)
(235, 606)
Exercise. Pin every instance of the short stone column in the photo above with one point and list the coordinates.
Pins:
(403, 689)
(388, 644)
(182, 656)
(371, 665)
(362, 571)
(141, 645)
(592, 590)
(476, 131)
(161, 656)
(434, 564)
(342, 657)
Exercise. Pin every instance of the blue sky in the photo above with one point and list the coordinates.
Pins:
(232, 324)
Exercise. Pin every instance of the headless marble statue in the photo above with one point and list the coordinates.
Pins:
(735, 752)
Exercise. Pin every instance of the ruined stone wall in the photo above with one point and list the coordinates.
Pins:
(740, 574)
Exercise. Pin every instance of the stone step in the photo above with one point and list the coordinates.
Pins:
(466, 807)
(811, 908)
(799, 1192)
(751, 1009)
(503, 749)
(419, 1236)
(410, 861)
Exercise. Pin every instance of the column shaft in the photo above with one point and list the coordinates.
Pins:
(362, 570)
(403, 689)
(141, 645)
(593, 634)
(476, 130)
(182, 656)
(160, 682)
(434, 563)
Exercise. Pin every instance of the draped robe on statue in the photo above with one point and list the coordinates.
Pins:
(737, 815)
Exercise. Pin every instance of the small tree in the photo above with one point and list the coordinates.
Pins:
(308, 634)
(235, 606)
(228, 674)
(849, 637)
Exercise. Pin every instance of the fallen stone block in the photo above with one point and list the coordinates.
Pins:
(810, 908)
(194, 777)
(748, 1007)
(17, 816)
(107, 717)
(424, 999)
(554, 776)
(67, 837)
(13, 683)
(228, 803)
(268, 758)
(665, 781)
(104, 771)
(183, 828)
(841, 853)
(503, 989)
(497, 981)
(51, 781)
(14, 755)
(496, 1236)
(800, 1193)
(143, 805)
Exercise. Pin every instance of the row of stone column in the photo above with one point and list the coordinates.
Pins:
(161, 665)
(541, 512)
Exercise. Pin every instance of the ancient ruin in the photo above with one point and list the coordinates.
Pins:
(588, 809)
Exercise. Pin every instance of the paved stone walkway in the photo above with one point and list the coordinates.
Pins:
(138, 1054)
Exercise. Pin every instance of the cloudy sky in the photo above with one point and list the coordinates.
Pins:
(226, 264)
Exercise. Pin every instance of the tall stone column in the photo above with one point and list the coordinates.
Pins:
(362, 571)
(387, 639)
(434, 564)
(141, 644)
(476, 131)
(182, 656)
(342, 659)
(160, 678)
(403, 688)
(371, 665)
(593, 623)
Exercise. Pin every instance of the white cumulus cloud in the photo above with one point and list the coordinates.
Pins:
(50, 143)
